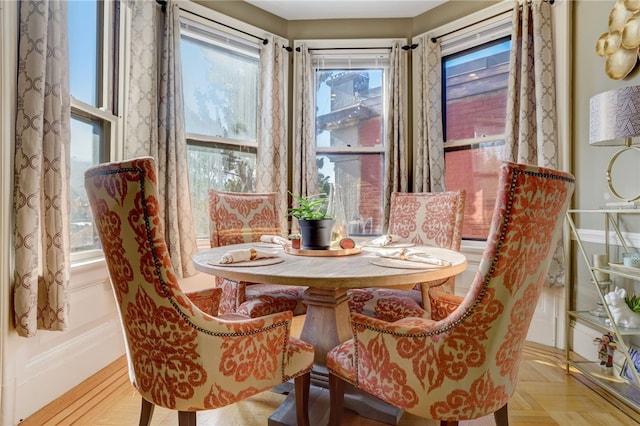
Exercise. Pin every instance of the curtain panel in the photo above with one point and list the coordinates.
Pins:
(154, 121)
(531, 135)
(396, 156)
(41, 191)
(428, 164)
(304, 170)
(271, 167)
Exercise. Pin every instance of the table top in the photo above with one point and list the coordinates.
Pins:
(352, 271)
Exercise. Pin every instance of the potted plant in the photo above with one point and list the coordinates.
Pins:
(315, 225)
(295, 239)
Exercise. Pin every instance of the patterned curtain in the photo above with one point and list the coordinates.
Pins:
(428, 164)
(155, 122)
(272, 125)
(305, 173)
(396, 157)
(41, 192)
(531, 135)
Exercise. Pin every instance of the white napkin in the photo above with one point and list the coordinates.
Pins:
(412, 256)
(274, 239)
(243, 255)
(384, 240)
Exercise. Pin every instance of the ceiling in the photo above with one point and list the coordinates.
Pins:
(345, 9)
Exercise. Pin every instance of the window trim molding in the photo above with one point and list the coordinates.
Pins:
(190, 10)
(467, 23)
(342, 43)
(378, 149)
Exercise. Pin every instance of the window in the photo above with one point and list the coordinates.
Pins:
(350, 144)
(93, 53)
(475, 78)
(220, 83)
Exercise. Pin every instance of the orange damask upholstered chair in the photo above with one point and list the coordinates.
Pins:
(243, 218)
(425, 218)
(464, 365)
(181, 357)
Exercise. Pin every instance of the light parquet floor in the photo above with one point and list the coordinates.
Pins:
(545, 396)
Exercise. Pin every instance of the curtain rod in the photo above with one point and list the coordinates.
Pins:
(434, 39)
(405, 47)
(163, 3)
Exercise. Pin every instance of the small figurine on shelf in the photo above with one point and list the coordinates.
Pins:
(606, 348)
(620, 311)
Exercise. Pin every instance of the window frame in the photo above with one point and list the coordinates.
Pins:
(343, 48)
(489, 26)
(210, 24)
(338, 53)
(241, 33)
(495, 29)
(110, 88)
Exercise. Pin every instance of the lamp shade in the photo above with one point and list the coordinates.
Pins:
(614, 116)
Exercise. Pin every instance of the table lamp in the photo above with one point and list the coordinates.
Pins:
(614, 118)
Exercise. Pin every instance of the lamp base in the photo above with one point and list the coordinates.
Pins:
(628, 147)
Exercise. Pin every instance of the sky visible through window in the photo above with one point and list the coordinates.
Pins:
(83, 71)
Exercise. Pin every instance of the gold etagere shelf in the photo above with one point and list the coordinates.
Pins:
(625, 389)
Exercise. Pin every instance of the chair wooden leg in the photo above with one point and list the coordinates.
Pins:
(448, 423)
(336, 400)
(146, 412)
(186, 418)
(302, 385)
(502, 416)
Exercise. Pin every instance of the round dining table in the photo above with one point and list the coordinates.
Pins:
(328, 275)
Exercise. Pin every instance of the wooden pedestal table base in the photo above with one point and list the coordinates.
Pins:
(326, 325)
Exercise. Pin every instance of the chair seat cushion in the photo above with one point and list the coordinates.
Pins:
(266, 299)
(387, 304)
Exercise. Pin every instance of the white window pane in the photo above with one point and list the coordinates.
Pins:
(350, 106)
(361, 180)
(86, 140)
(221, 168)
(83, 50)
(476, 92)
(220, 90)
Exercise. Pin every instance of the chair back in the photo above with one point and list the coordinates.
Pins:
(465, 366)
(236, 217)
(481, 344)
(179, 357)
(429, 218)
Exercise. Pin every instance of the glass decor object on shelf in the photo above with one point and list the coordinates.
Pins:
(631, 260)
(603, 282)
